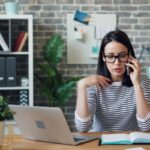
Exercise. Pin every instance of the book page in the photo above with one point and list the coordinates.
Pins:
(115, 138)
(139, 137)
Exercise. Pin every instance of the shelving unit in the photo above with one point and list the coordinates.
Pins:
(10, 27)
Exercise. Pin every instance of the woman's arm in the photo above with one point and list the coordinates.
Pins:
(86, 101)
(141, 103)
(143, 121)
(142, 107)
(142, 96)
(82, 104)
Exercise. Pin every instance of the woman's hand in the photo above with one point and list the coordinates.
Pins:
(97, 80)
(135, 74)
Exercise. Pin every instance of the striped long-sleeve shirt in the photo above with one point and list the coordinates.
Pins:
(114, 108)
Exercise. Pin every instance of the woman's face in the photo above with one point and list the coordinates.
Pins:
(116, 65)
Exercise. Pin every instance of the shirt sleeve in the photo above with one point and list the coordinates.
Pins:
(85, 124)
(82, 119)
(144, 123)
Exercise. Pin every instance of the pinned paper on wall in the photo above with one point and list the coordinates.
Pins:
(102, 30)
(95, 49)
(82, 17)
(83, 40)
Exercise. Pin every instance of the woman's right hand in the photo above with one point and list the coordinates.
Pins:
(97, 80)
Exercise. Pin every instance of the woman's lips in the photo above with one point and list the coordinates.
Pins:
(118, 70)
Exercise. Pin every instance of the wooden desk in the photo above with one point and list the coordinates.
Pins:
(18, 143)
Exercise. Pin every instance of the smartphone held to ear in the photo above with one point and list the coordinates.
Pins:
(128, 71)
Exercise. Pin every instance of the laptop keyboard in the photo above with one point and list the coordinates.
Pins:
(78, 139)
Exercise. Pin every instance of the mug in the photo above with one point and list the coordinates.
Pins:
(11, 8)
(24, 81)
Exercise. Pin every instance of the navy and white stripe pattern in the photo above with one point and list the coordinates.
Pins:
(114, 108)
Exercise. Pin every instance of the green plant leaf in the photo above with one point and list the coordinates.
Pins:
(5, 112)
(53, 50)
(66, 90)
(53, 86)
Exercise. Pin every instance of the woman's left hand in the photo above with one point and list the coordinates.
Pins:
(135, 74)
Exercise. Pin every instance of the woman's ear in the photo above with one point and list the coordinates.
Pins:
(103, 59)
(103, 56)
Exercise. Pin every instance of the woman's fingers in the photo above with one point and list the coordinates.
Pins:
(103, 82)
(131, 65)
(94, 80)
(135, 62)
(136, 74)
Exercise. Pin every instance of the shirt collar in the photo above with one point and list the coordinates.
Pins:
(117, 83)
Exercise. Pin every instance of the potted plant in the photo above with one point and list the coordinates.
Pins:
(55, 87)
(5, 114)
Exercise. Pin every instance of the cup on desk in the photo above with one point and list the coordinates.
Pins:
(11, 8)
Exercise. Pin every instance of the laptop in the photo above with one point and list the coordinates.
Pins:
(46, 124)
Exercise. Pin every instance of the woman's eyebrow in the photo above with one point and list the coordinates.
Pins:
(123, 52)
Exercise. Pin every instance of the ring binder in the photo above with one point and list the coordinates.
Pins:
(11, 71)
(2, 72)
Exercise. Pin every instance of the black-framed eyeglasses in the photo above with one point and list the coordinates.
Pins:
(121, 57)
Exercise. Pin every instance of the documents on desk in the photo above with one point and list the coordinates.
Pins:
(136, 148)
(124, 138)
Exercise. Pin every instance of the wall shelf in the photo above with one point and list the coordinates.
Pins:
(10, 27)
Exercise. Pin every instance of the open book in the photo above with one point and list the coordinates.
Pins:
(124, 138)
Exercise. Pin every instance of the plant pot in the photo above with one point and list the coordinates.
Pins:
(1, 132)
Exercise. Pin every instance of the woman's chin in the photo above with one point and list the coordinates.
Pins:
(117, 75)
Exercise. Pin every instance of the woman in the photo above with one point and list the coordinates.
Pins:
(116, 98)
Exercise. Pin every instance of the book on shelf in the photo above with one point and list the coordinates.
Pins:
(20, 41)
(125, 138)
(3, 43)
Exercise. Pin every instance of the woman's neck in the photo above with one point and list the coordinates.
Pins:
(117, 79)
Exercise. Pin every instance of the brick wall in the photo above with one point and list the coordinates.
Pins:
(50, 17)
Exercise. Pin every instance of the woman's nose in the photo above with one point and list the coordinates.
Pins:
(117, 61)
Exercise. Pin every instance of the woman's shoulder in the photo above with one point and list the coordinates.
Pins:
(92, 88)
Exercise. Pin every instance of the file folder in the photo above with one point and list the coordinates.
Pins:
(2, 72)
(11, 71)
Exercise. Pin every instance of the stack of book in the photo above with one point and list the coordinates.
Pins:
(3, 44)
(20, 41)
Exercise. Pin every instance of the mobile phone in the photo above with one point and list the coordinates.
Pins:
(128, 71)
(128, 68)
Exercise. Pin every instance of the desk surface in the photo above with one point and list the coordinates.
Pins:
(18, 143)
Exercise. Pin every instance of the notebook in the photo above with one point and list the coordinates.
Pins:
(46, 124)
(135, 137)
